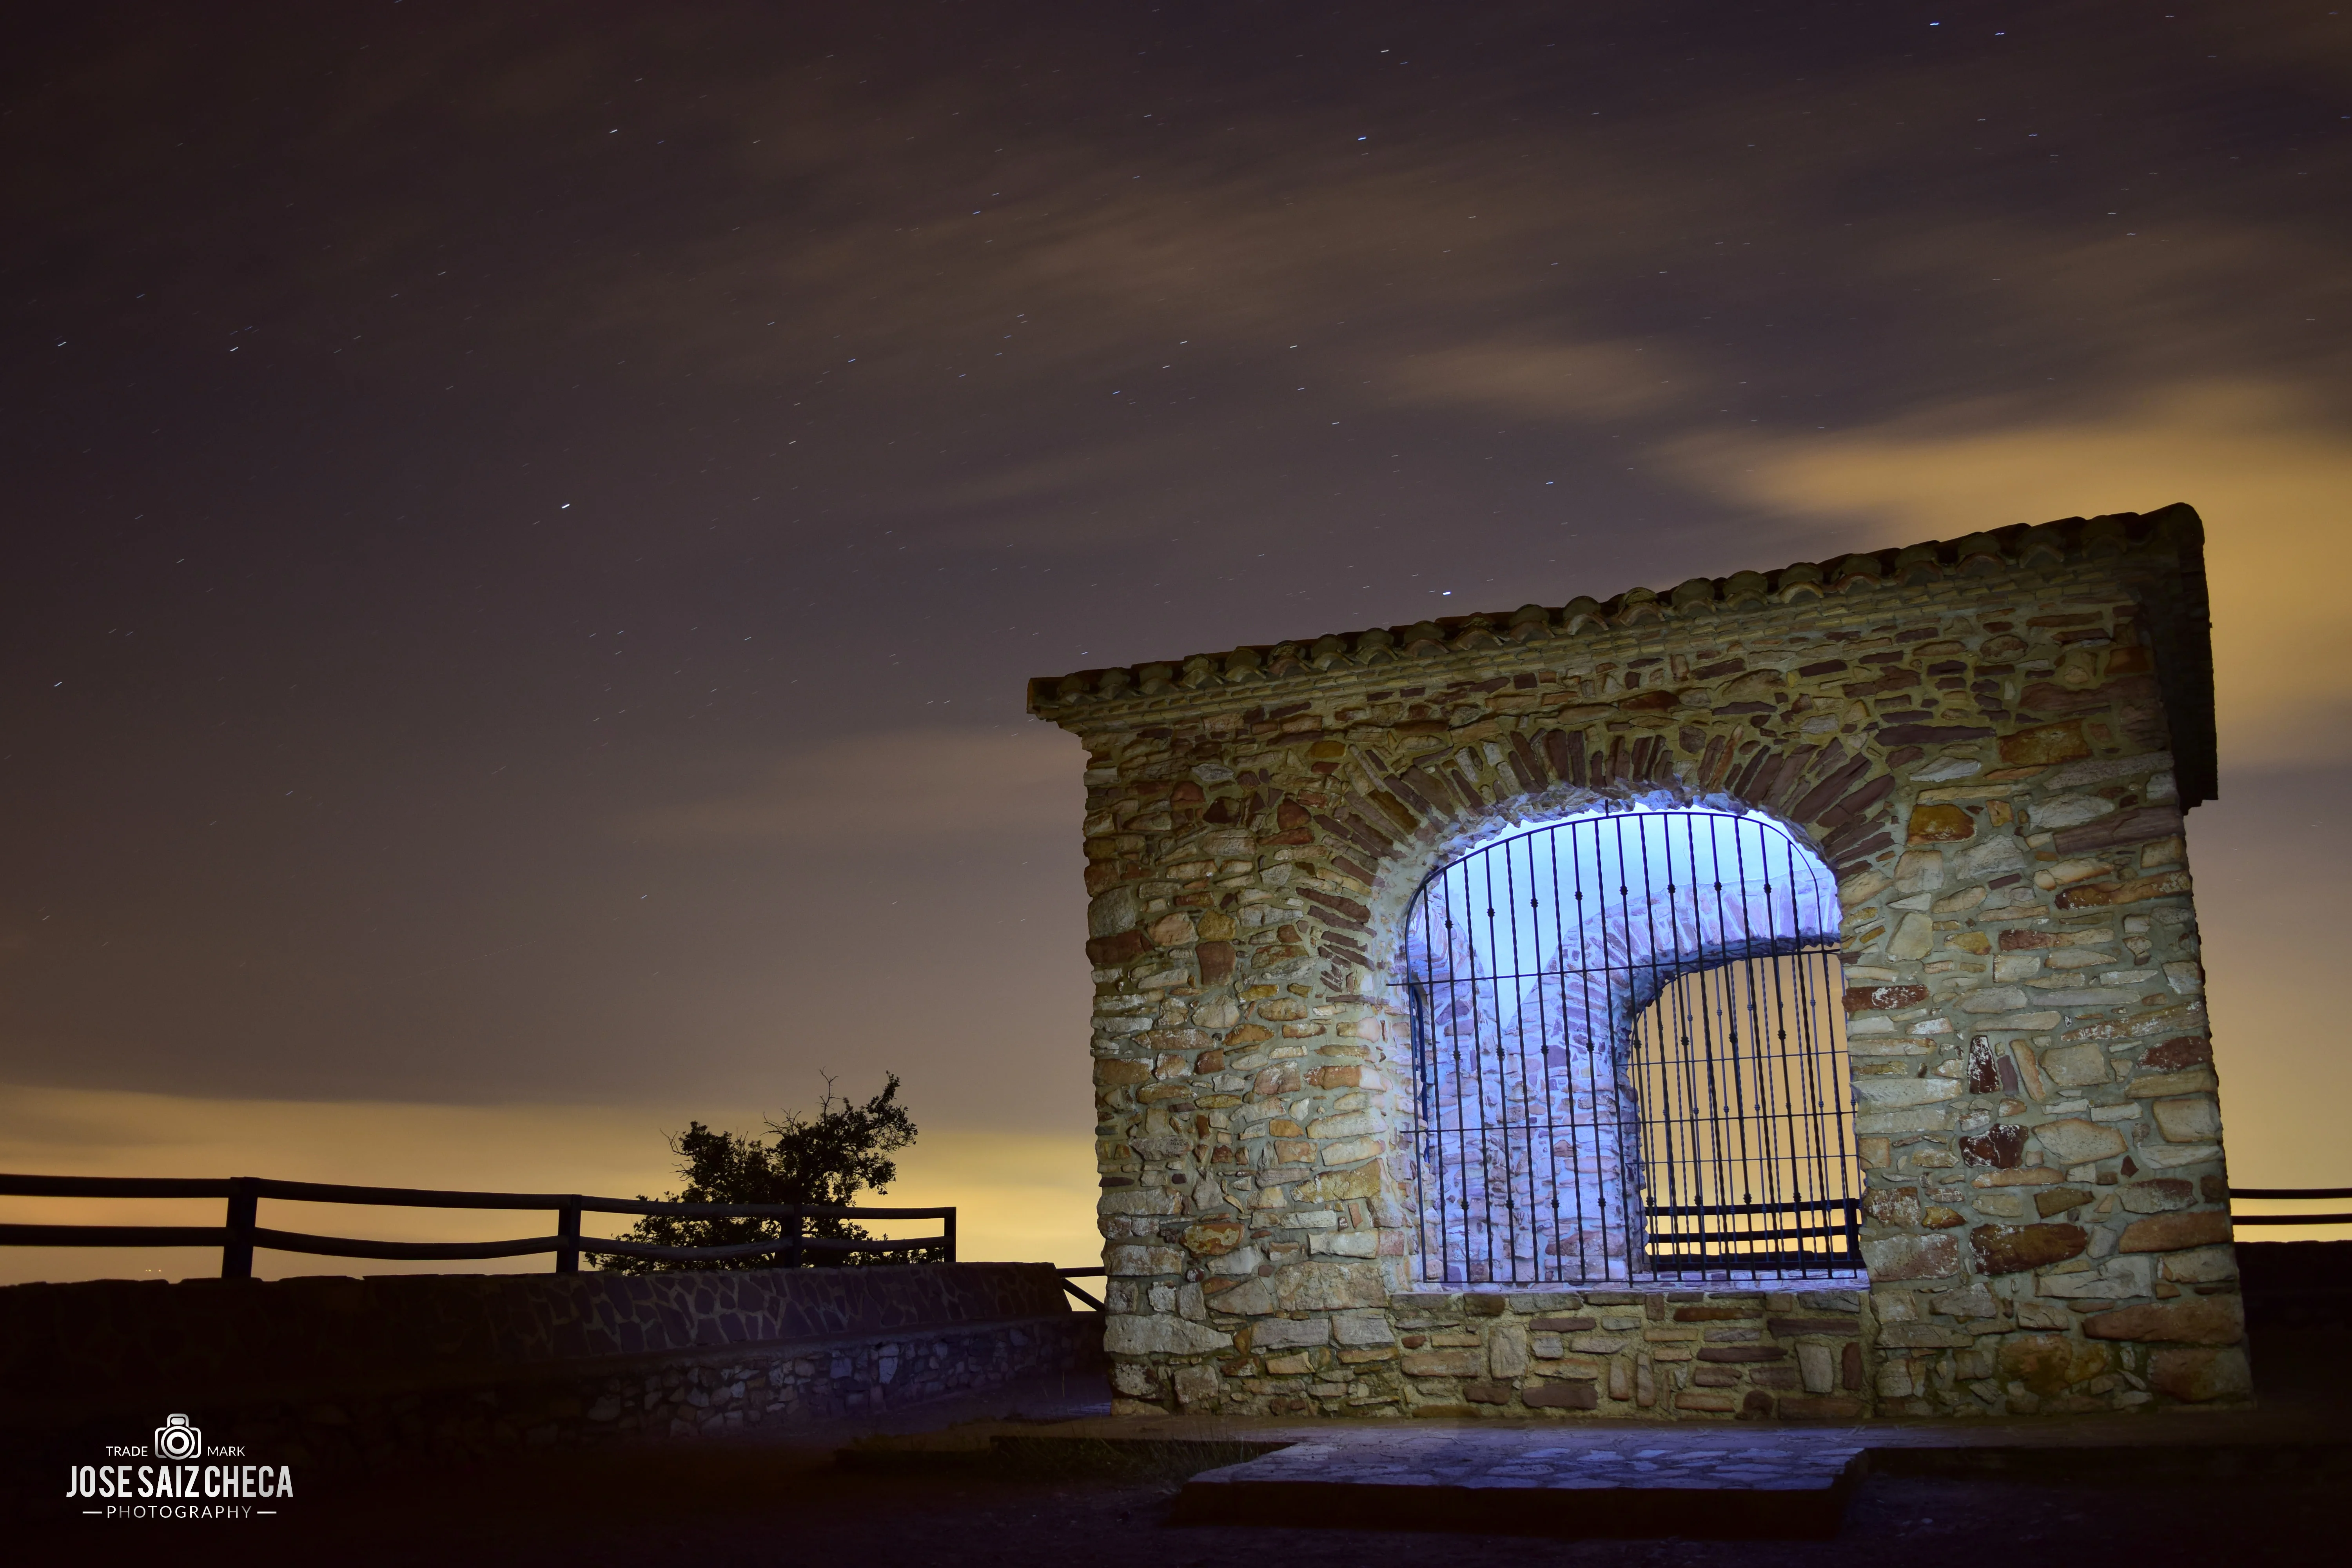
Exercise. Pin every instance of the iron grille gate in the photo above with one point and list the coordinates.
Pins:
(1629, 1057)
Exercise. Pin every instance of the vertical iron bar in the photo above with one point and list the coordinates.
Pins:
(1478, 1061)
(1795, 998)
(1562, 977)
(1551, 969)
(1593, 1064)
(1760, 1183)
(1462, 1092)
(1517, 1027)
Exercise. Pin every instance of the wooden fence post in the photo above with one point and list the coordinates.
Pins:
(244, 1213)
(795, 1257)
(950, 1236)
(567, 1228)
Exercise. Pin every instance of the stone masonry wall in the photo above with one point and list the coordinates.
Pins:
(338, 1373)
(1992, 742)
(328, 1334)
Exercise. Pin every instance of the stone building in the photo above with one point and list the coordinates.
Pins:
(1779, 997)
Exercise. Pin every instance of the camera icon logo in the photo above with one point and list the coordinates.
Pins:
(175, 1439)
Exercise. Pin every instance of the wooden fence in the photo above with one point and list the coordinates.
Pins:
(2291, 1194)
(241, 1231)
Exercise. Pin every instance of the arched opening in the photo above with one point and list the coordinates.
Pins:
(1629, 1057)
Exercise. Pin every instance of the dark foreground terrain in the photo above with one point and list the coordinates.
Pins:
(777, 1508)
(2192, 1498)
(792, 1503)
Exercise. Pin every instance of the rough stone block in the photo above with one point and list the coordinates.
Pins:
(2058, 1200)
(1196, 1385)
(1551, 1393)
(2201, 1266)
(1911, 1256)
(2173, 1232)
(1706, 1400)
(1994, 999)
(1993, 858)
(1923, 1336)
(2172, 1156)
(2117, 1278)
(1941, 824)
(2049, 1364)
(1326, 1285)
(2198, 1375)
(1339, 1186)
(2191, 1320)
(1289, 1334)
(2016, 1248)
(1114, 911)
(2189, 1051)
(1875, 998)
(2161, 1193)
(2187, 1119)
(1906, 1091)
(1138, 1261)
(1212, 1238)
(1913, 936)
(2076, 1066)
(1160, 1333)
(2074, 1142)
(2156, 1085)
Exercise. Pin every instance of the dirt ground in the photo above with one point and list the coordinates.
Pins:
(774, 1502)
(777, 1508)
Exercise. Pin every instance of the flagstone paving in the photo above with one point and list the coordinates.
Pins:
(1603, 1483)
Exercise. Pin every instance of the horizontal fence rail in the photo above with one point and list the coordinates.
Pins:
(243, 1231)
(2291, 1194)
(1069, 1273)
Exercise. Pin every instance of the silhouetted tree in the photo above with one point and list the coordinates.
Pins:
(828, 1158)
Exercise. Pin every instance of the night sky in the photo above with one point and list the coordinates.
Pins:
(526, 525)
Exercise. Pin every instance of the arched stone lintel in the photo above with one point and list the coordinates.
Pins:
(1837, 797)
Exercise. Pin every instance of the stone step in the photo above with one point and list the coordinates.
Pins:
(1711, 1484)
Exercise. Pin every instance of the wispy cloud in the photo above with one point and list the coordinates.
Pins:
(871, 792)
(2270, 474)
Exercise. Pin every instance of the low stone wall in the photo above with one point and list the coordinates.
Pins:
(1650, 1355)
(333, 1373)
(1754, 1354)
